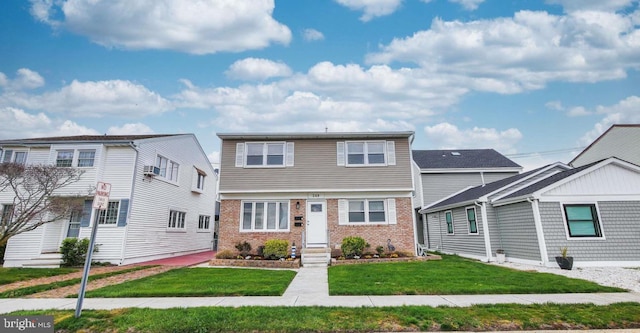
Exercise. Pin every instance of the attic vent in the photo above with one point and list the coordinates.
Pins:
(455, 153)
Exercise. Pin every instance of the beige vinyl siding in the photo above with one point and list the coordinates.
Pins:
(147, 235)
(315, 168)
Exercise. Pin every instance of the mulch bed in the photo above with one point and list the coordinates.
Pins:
(335, 262)
(255, 263)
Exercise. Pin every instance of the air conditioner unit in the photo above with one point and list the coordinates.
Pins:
(151, 170)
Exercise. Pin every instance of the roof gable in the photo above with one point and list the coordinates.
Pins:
(462, 159)
(620, 140)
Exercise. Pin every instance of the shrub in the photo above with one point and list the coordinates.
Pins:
(74, 251)
(244, 248)
(225, 254)
(380, 249)
(353, 246)
(276, 248)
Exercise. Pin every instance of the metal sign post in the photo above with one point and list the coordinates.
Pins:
(100, 202)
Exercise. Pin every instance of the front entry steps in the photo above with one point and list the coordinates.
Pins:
(316, 257)
(46, 260)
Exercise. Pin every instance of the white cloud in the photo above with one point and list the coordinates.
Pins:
(214, 158)
(198, 27)
(623, 112)
(578, 111)
(372, 8)
(312, 35)
(17, 124)
(94, 99)
(25, 79)
(132, 128)
(468, 4)
(257, 69)
(449, 136)
(511, 55)
(555, 105)
(580, 5)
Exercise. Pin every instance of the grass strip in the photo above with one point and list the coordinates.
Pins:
(184, 282)
(452, 275)
(55, 285)
(14, 274)
(340, 319)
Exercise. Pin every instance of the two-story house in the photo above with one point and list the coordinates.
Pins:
(440, 173)
(620, 140)
(161, 204)
(314, 189)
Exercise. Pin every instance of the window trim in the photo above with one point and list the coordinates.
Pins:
(73, 154)
(597, 223)
(12, 156)
(366, 154)
(117, 215)
(453, 229)
(367, 212)
(265, 215)
(176, 228)
(93, 160)
(170, 162)
(475, 214)
(200, 223)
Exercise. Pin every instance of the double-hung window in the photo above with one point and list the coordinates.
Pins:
(366, 153)
(203, 222)
(200, 181)
(168, 168)
(86, 158)
(10, 156)
(367, 211)
(448, 217)
(7, 215)
(582, 220)
(176, 220)
(265, 216)
(64, 158)
(471, 220)
(265, 154)
(109, 216)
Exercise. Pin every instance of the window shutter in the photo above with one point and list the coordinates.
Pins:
(124, 209)
(391, 207)
(391, 153)
(289, 154)
(343, 211)
(340, 153)
(240, 155)
(85, 220)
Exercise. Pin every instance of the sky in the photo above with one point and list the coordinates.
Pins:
(535, 80)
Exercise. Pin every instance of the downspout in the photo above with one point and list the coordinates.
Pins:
(535, 207)
(485, 226)
(133, 188)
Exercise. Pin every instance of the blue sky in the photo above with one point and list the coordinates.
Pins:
(534, 80)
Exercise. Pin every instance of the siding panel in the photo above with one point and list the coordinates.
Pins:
(518, 231)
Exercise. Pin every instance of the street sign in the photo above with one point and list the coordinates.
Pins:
(101, 200)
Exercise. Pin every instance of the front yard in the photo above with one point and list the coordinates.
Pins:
(452, 275)
(11, 275)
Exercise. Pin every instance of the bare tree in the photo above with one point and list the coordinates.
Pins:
(37, 197)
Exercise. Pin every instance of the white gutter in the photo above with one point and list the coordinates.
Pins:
(485, 227)
(539, 231)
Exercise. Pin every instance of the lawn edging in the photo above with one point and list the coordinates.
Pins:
(255, 263)
(335, 262)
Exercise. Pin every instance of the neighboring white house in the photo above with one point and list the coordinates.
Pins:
(619, 141)
(162, 200)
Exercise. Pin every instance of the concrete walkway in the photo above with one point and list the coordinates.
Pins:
(310, 288)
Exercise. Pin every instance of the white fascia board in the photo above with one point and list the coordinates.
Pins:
(470, 170)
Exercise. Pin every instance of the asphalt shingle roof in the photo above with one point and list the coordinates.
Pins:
(92, 138)
(462, 159)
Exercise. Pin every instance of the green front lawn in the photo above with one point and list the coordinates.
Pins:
(341, 319)
(203, 282)
(11, 275)
(452, 275)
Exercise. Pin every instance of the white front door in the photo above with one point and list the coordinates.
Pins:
(316, 223)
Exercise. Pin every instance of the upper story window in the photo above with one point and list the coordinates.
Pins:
(11, 156)
(64, 158)
(582, 221)
(264, 154)
(86, 158)
(366, 153)
(168, 168)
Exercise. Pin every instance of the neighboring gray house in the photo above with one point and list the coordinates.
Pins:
(162, 200)
(621, 141)
(440, 173)
(592, 210)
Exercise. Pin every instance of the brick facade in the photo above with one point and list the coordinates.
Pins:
(400, 234)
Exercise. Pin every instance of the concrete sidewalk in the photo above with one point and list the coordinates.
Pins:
(310, 288)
